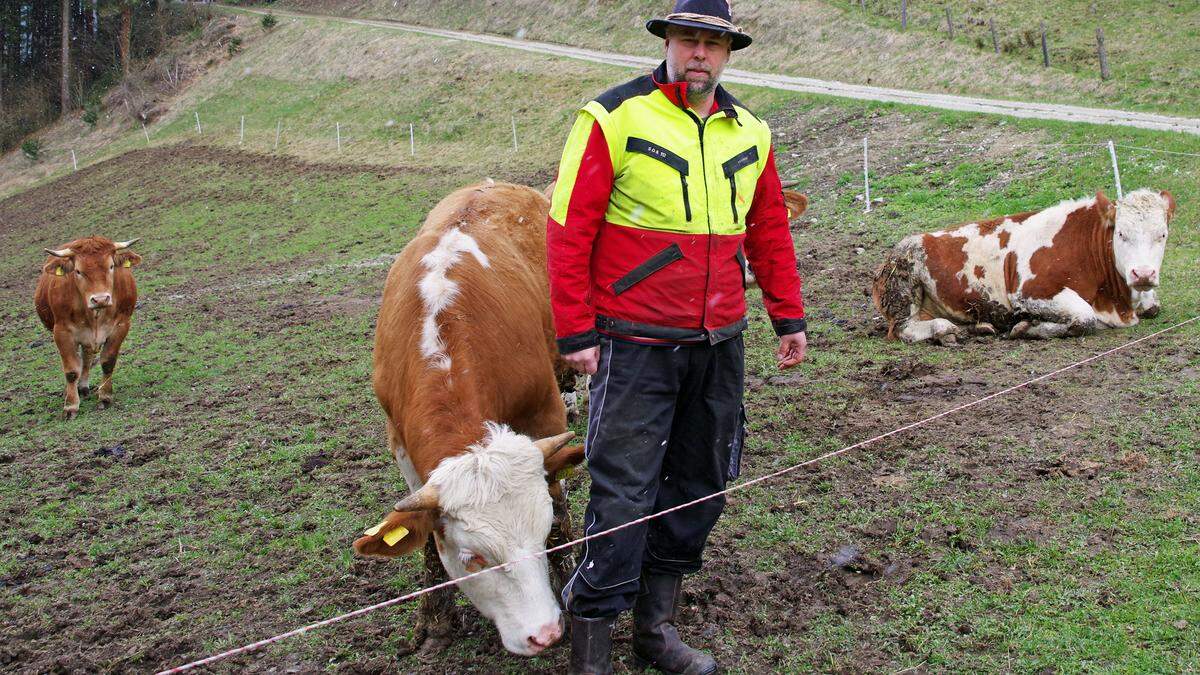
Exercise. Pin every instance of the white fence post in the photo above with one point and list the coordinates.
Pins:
(1112, 152)
(866, 177)
(338, 126)
(412, 141)
(146, 133)
(278, 124)
(199, 129)
(73, 162)
(514, 128)
(242, 131)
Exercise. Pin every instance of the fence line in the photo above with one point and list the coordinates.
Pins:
(740, 486)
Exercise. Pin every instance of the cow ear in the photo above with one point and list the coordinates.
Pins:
(59, 266)
(796, 203)
(400, 533)
(570, 456)
(1170, 204)
(127, 259)
(1107, 210)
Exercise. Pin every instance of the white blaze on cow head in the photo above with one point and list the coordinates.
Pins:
(90, 266)
(491, 506)
(1140, 236)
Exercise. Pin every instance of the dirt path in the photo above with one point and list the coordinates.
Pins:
(1046, 111)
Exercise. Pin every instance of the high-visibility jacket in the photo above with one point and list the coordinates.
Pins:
(655, 214)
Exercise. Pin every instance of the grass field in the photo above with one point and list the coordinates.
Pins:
(1152, 44)
(1053, 528)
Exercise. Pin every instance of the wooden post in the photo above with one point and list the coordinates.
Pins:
(995, 42)
(1045, 48)
(903, 14)
(1104, 71)
(866, 177)
(949, 23)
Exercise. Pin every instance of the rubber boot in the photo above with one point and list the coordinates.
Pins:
(591, 646)
(656, 642)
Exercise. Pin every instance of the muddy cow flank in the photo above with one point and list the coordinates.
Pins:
(1070, 269)
(464, 370)
(85, 297)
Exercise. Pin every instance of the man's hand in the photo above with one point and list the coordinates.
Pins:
(791, 350)
(587, 360)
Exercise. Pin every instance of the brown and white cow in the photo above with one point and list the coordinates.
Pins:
(1079, 266)
(464, 369)
(85, 297)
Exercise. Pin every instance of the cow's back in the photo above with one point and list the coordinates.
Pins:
(487, 343)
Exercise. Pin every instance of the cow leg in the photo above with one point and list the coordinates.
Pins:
(941, 330)
(1067, 314)
(68, 351)
(108, 361)
(562, 562)
(437, 617)
(87, 359)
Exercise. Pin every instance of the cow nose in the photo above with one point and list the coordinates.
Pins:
(1146, 275)
(546, 635)
(101, 300)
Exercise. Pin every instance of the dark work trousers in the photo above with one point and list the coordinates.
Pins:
(665, 426)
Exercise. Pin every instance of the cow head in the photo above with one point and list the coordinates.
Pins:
(90, 265)
(490, 506)
(1139, 234)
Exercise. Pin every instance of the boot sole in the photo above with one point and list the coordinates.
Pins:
(644, 664)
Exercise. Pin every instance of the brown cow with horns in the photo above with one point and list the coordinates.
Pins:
(465, 370)
(85, 297)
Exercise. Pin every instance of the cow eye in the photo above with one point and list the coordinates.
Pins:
(473, 562)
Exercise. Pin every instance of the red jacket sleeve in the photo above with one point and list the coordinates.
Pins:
(772, 254)
(585, 182)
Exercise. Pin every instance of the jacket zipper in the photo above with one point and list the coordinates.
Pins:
(733, 197)
(687, 203)
(700, 124)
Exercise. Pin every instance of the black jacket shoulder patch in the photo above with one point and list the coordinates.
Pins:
(614, 97)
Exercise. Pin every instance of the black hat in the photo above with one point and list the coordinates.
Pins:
(712, 15)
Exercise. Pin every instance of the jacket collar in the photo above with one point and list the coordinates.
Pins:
(676, 92)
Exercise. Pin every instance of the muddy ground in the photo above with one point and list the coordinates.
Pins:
(124, 550)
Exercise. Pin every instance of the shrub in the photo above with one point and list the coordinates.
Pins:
(269, 21)
(31, 148)
(235, 45)
(91, 114)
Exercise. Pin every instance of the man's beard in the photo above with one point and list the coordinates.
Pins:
(697, 90)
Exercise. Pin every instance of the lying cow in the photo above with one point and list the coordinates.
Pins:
(1067, 270)
(85, 297)
(464, 369)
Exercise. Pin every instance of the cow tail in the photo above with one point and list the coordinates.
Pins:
(893, 291)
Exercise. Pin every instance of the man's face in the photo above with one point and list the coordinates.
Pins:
(698, 57)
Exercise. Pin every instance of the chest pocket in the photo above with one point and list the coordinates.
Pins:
(679, 164)
(731, 167)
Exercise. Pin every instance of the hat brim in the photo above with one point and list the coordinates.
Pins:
(659, 27)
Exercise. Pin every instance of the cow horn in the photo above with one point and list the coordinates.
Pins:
(61, 253)
(121, 245)
(425, 499)
(553, 444)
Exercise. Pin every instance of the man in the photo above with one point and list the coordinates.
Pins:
(667, 186)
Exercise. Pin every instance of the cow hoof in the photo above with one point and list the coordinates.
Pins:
(70, 413)
(983, 329)
(84, 391)
(947, 340)
(1149, 312)
(104, 403)
(1018, 331)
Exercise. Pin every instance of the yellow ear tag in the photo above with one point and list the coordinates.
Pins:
(375, 530)
(126, 264)
(395, 535)
(58, 271)
(789, 214)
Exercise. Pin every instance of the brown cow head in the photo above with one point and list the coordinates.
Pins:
(489, 506)
(796, 203)
(90, 264)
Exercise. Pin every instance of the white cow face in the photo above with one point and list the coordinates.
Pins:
(495, 510)
(1140, 236)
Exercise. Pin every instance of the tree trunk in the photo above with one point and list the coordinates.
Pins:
(65, 94)
(126, 29)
